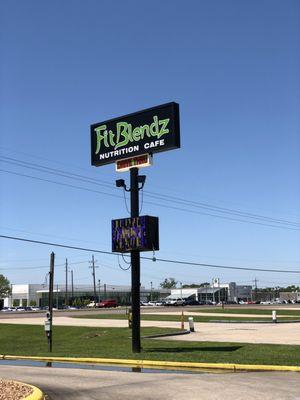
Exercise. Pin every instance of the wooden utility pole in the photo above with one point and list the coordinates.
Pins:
(72, 285)
(94, 279)
(99, 287)
(66, 293)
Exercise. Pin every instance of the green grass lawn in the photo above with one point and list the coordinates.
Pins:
(247, 311)
(30, 340)
(197, 318)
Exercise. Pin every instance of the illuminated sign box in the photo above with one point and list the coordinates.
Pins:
(140, 233)
(148, 131)
(145, 160)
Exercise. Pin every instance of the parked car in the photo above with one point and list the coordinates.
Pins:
(6, 309)
(152, 303)
(92, 304)
(175, 302)
(107, 304)
(191, 302)
(20, 308)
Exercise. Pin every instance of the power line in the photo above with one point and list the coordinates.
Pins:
(39, 267)
(55, 171)
(220, 209)
(149, 202)
(223, 217)
(154, 195)
(179, 262)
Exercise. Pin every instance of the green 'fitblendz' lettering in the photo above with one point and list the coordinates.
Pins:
(126, 133)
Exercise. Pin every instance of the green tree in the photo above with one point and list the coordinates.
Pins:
(168, 283)
(5, 289)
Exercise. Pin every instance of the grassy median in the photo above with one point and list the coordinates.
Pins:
(177, 317)
(116, 343)
(290, 312)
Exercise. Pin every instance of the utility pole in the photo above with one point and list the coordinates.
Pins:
(11, 295)
(99, 286)
(50, 302)
(255, 288)
(151, 291)
(94, 279)
(181, 291)
(66, 294)
(57, 296)
(135, 266)
(72, 285)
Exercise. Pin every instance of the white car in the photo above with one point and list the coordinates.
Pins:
(175, 302)
(152, 303)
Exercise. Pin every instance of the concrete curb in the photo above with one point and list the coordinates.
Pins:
(158, 364)
(36, 394)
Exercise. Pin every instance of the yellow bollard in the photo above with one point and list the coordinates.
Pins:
(182, 320)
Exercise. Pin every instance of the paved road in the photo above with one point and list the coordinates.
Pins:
(74, 384)
(65, 313)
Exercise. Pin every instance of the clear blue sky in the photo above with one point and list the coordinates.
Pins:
(233, 66)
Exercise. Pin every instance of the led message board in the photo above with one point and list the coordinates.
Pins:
(140, 233)
(144, 160)
(148, 131)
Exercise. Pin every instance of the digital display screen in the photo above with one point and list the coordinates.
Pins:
(140, 233)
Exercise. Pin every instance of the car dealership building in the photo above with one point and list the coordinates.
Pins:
(37, 294)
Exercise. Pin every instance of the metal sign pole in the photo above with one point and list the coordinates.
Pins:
(135, 266)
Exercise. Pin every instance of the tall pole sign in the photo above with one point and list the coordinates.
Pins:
(130, 141)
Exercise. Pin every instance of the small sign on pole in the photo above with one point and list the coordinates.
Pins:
(135, 234)
(47, 326)
(145, 160)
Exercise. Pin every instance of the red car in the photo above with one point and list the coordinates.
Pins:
(107, 304)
